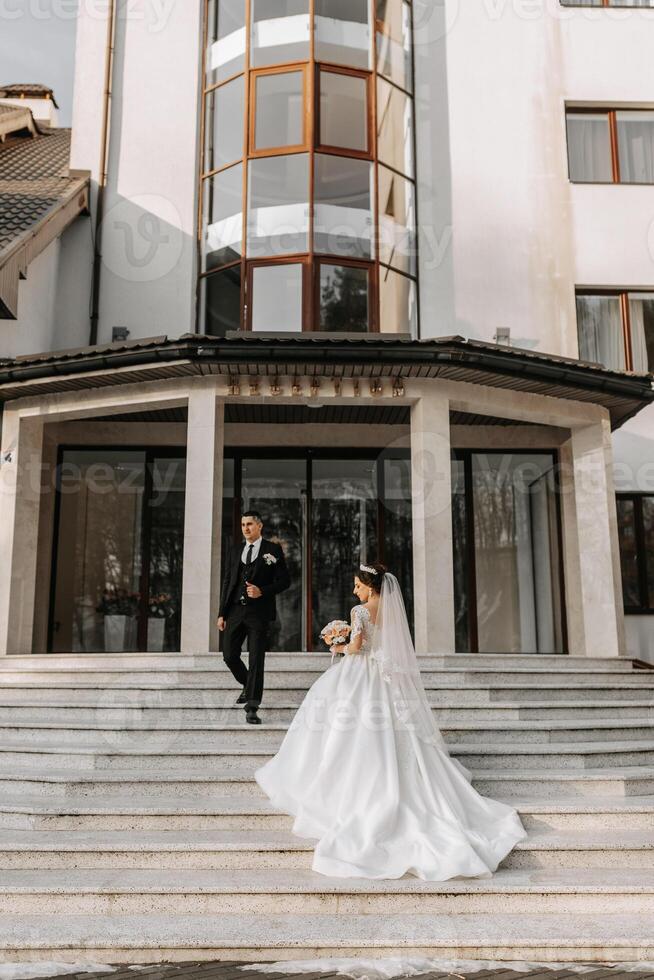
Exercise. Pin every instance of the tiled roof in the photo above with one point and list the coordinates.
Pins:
(35, 185)
(33, 177)
(27, 90)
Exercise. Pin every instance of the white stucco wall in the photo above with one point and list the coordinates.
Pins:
(513, 237)
(53, 301)
(148, 235)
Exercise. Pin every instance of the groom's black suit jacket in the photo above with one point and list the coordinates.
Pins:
(270, 576)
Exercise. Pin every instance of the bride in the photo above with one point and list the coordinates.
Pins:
(365, 771)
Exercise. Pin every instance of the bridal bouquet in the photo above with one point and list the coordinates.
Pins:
(336, 632)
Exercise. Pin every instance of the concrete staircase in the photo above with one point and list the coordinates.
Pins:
(131, 829)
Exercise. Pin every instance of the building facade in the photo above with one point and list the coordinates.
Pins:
(383, 270)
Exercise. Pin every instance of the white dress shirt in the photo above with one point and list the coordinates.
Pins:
(255, 550)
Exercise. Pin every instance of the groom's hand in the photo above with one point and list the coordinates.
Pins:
(220, 623)
(253, 591)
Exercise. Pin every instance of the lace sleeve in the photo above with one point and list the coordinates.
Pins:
(357, 622)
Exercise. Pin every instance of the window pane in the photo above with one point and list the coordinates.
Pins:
(280, 31)
(277, 297)
(99, 551)
(398, 303)
(343, 217)
(343, 32)
(516, 553)
(278, 222)
(225, 107)
(394, 42)
(600, 331)
(628, 551)
(648, 542)
(641, 308)
(397, 221)
(394, 128)
(223, 217)
(343, 111)
(636, 147)
(344, 298)
(222, 301)
(589, 147)
(279, 110)
(226, 33)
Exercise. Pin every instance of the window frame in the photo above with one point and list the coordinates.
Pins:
(646, 607)
(312, 258)
(373, 293)
(215, 272)
(612, 119)
(625, 312)
(303, 260)
(300, 68)
(319, 146)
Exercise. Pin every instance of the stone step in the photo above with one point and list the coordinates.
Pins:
(303, 892)
(153, 719)
(116, 704)
(185, 661)
(242, 812)
(237, 751)
(58, 784)
(214, 738)
(500, 936)
(254, 849)
(304, 676)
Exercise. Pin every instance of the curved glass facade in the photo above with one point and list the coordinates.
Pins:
(308, 184)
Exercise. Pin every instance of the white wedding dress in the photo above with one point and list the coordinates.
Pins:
(374, 783)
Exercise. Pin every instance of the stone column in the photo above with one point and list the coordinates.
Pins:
(590, 544)
(433, 559)
(20, 491)
(202, 521)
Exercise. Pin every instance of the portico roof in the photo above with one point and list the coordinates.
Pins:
(327, 356)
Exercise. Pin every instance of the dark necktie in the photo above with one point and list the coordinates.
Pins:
(248, 557)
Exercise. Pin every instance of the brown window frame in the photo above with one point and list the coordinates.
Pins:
(304, 259)
(311, 260)
(612, 119)
(238, 264)
(343, 151)
(373, 293)
(625, 312)
(205, 115)
(646, 606)
(300, 68)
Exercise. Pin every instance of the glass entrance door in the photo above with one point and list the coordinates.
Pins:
(117, 572)
(507, 553)
(329, 512)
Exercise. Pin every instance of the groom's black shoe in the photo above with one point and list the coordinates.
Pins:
(241, 699)
(251, 715)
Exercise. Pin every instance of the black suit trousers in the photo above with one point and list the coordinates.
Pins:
(241, 624)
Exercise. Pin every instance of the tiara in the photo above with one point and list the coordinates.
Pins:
(367, 568)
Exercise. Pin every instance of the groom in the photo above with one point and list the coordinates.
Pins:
(255, 572)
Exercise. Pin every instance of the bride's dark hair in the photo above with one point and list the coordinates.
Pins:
(372, 579)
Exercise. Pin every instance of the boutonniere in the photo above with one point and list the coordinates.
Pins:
(269, 559)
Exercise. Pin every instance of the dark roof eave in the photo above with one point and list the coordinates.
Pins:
(383, 351)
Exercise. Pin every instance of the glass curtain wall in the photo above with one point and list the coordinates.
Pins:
(507, 558)
(329, 512)
(119, 551)
(308, 186)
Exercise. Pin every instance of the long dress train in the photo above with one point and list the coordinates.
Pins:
(380, 800)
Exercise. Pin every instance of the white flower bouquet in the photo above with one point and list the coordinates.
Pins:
(334, 634)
